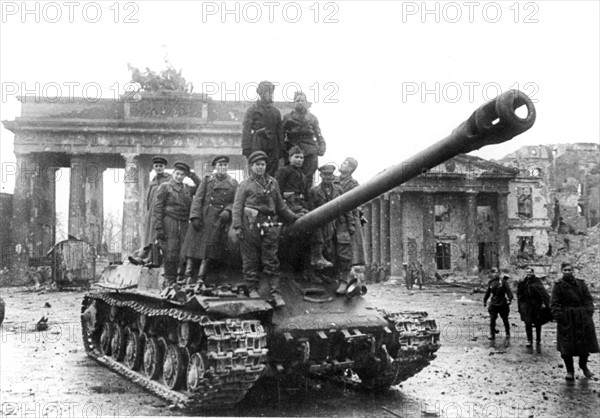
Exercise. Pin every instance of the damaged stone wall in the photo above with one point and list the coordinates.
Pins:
(412, 226)
(449, 228)
(528, 211)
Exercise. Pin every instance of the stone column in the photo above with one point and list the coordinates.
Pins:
(367, 243)
(145, 169)
(471, 244)
(375, 238)
(502, 223)
(21, 244)
(428, 246)
(132, 221)
(396, 250)
(384, 229)
(86, 200)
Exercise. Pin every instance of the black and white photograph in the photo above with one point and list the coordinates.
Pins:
(303, 208)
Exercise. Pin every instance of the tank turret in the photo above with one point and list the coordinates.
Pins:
(207, 347)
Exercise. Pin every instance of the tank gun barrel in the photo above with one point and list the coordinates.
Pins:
(492, 123)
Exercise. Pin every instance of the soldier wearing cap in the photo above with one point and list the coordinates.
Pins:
(333, 239)
(261, 129)
(158, 164)
(170, 218)
(294, 189)
(257, 207)
(293, 183)
(347, 183)
(210, 216)
(301, 128)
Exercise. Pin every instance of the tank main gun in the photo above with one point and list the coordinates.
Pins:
(492, 123)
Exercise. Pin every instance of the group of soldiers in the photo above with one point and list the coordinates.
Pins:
(570, 305)
(191, 223)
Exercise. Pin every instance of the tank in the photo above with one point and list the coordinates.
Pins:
(207, 348)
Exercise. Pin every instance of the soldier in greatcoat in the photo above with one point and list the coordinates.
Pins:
(210, 217)
(171, 217)
(332, 240)
(347, 182)
(158, 164)
(531, 297)
(301, 128)
(573, 309)
(261, 129)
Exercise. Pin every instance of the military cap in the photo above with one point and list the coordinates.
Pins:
(327, 169)
(264, 86)
(220, 159)
(257, 156)
(179, 165)
(159, 160)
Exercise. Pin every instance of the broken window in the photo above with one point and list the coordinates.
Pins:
(524, 205)
(526, 249)
(442, 213)
(442, 256)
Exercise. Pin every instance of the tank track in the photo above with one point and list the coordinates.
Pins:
(416, 338)
(234, 351)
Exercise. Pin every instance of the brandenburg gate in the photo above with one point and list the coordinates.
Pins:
(91, 137)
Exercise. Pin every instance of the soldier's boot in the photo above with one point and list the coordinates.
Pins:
(203, 270)
(343, 281)
(170, 272)
(252, 286)
(316, 257)
(191, 270)
(277, 300)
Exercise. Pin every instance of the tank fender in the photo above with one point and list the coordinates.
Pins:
(229, 307)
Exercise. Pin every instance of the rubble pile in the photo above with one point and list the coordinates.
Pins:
(585, 259)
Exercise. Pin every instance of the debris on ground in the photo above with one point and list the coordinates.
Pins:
(42, 324)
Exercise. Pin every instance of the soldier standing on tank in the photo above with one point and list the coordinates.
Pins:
(256, 210)
(261, 129)
(210, 217)
(293, 185)
(171, 217)
(502, 296)
(347, 183)
(158, 164)
(301, 128)
(333, 239)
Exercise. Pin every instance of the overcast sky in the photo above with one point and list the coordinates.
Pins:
(387, 78)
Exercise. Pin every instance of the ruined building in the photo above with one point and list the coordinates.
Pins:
(452, 219)
(554, 199)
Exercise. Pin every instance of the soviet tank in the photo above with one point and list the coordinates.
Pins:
(207, 347)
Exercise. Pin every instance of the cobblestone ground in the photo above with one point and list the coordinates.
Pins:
(47, 373)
